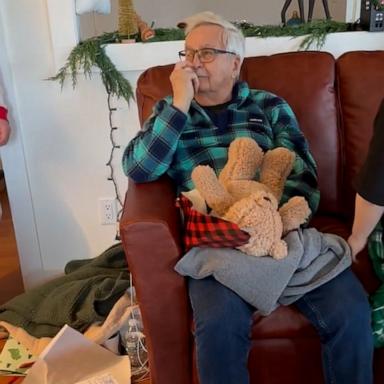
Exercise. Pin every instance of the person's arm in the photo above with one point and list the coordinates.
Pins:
(302, 181)
(4, 131)
(369, 201)
(367, 215)
(150, 154)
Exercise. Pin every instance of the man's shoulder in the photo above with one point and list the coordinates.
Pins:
(267, 101)
(266, 97)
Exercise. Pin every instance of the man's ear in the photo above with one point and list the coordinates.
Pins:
(236, 67)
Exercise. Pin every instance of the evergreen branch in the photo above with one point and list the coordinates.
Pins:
(317, 31)
(167, 34)
(89, 53)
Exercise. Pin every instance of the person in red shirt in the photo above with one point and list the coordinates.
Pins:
(4, 125)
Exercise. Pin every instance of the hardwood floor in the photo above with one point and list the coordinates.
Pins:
(11, 283)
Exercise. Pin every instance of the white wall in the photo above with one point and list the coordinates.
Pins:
(65, 140)
(15, 169)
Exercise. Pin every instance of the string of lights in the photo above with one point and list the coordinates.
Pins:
(140, 371)
(112, 177)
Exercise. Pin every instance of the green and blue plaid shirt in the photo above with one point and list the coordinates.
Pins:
(376, 253)
(174, 143)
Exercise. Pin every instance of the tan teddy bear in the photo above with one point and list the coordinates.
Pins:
(253, 205)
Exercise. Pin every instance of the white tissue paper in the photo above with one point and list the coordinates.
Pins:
(70, 358)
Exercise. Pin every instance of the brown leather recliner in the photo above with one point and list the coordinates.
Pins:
(335, 102)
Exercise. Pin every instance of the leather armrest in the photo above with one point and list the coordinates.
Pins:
(150, 233)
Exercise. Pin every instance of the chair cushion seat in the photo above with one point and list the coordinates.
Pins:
(284, 322)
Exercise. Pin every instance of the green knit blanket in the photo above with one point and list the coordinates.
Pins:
(85, 294)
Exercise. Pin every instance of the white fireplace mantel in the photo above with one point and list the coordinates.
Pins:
(140, 56)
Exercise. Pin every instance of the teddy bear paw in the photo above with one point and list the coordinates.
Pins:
(294, 213)
(215, 195)
(244, 158)
(276, 167)
(279, 250)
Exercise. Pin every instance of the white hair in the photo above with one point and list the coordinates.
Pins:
(233, 37)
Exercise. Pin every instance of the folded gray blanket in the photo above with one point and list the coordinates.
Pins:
(313, 259)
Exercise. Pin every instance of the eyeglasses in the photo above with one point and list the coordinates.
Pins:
(205, 55)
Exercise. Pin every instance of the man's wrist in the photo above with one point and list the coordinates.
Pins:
(182, 106)
(179, 109)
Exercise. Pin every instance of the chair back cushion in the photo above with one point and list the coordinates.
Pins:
(361, 90)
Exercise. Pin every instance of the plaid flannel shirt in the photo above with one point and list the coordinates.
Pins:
(174, 143)
(376, 254)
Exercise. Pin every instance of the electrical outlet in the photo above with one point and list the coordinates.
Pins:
(107, 211)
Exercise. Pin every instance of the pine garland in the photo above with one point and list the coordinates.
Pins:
(167, 34)
(316, 30)
(91, 52)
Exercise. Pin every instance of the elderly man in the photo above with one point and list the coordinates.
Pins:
(208, 109)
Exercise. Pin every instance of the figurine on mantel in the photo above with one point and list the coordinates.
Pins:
(130, 23)
(294, 20)
(285, 7)
(311, 5)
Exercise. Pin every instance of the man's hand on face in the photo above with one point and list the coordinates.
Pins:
(185, 84)
(4, 131)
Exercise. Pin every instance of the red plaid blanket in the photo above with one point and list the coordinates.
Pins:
(208, 231)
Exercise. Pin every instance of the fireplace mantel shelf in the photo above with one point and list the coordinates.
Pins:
(140, 56)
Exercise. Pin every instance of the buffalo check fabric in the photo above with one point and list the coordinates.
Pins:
(202, 230)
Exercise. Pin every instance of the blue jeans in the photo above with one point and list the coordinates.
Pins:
(339, 310)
